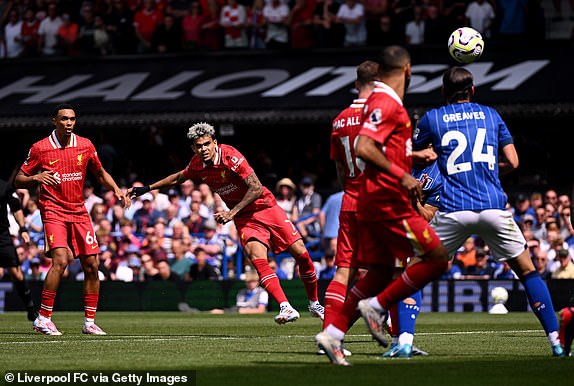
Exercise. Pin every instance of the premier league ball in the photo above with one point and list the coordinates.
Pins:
(465, 45)
(499, 295)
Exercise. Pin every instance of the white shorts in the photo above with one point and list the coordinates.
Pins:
(496, 227)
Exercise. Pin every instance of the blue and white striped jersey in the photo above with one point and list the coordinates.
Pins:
(467, 138)
(433, 185)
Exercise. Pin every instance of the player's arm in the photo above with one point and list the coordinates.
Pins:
(427, 211)
(509, 160)
(369, 151)
(105, 179)
(18, 213)
(341, 176)
(254, 190)
(45, 178)
(171, 180)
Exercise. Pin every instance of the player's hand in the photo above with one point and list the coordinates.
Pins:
(413, 187)
(25, 235)
(424, 156)
(123, 198)
(48, 177)
(223, 217)
(136, 191)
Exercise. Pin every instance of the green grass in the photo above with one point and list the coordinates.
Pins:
(466, 349)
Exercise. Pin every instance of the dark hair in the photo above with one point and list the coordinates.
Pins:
(393, 58)
(367, 72)
(457, 84)
(61, 106)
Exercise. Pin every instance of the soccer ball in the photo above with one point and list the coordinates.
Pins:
(499, 295)
(465, 45)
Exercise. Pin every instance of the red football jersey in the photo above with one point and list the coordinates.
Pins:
(343, 140)
(64, 201)
(225, 177)
(386, 121)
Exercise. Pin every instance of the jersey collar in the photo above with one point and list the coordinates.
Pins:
(383, 87)
(57, 145)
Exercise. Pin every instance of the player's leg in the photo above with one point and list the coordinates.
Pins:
(257, 253)
(17, 277)
(567, 329)
(538, 297)
(308, 276)
(43, 322)
(90, 265)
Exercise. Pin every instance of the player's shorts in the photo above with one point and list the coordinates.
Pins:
(495, 226)
(382, 242)
(269, 226)
(78, 236)
(347, 241)
(8, 254)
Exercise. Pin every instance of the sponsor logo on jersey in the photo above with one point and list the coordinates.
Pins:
(75, 176)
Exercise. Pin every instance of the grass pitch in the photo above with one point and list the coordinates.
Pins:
(465, 349)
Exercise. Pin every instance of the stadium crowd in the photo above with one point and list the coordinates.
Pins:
(172, 236)
(35, 28)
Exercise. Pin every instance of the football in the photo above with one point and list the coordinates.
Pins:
(499, 295)
(465, 45)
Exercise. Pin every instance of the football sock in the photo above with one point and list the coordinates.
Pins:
(369, 285)
(308, 275)
(24, 293)
(541, 303)
(269, 280)
(411, 280)
(395, 321)
(408, 311)
(334, 299)
(47, 303)
(90, 305)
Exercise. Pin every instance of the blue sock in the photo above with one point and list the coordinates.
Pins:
(408, 310)
(540, 301)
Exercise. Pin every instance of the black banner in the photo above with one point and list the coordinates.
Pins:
(269, 81)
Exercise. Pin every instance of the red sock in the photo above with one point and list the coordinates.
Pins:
(47, 303)
(308, 275)
(411, 280)
(369, 285)
(394, 314)
(90, 305)
(334, 299)
(269, 280)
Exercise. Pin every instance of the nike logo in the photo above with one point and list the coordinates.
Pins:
(53, 162)
(94, 246)
(203, 178)
(294, 233)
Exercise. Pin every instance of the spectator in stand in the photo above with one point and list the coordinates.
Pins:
(34, 222)
(256, 27)
(179, 8)
(480, 16)
(352, 15)
(300, 23)
(453, 13)
(307, 209)
(182, 259)
(276, 13)
(233, 19)
(211, 31)
(191, 25)
(48, 32)
(565, 223)
(120, 25)
(329, 221)
(68, 36)
(102, 40)
(12, 40)
(164, 272)
(328, 268)
(513, 21)
(212, 243)
(374, 10)
(483, 269)
(467, 256)
(90, 197)
(328, 32)
(541, 263)
(388, 33)
(504, 272)
(149, 269)
(565, 269)
(415, 29)
(86, 34)
(201, 269)
(253, 299)
(146, 20)
(522, 207)
(168, 36)
(29, 34)
(536, 200)
(285, 196)
(435, 26)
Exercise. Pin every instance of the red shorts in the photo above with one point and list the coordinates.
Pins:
(78, 236)
(269, 226)
(348, 241)
(382, 242)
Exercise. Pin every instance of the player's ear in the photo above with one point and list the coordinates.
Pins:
(471, 92)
